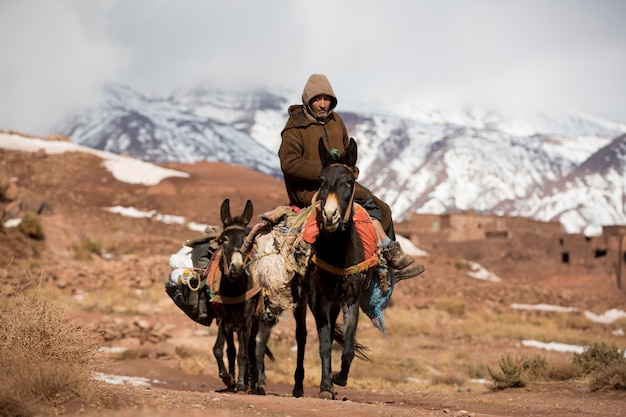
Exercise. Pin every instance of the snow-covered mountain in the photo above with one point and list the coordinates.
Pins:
(570, 167)
(175, 129)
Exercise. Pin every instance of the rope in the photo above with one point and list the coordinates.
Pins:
(220, 299)
(198, 280)
(345, 272)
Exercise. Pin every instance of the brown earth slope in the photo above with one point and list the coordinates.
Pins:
(120, 293)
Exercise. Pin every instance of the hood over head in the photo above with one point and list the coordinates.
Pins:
(316, 85)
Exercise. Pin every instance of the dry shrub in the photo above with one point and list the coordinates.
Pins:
(31, 226)
(515, 371)
(46, 359)
(613, 376)
(563, 370)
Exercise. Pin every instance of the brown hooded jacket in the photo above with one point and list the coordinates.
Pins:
(298, 152)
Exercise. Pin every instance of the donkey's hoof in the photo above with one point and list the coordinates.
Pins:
(298, 393)
(241, 389)
(340, 379)
(327, 395)
(258, 391)
(228, 380)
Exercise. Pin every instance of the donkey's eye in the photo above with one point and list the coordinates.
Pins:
(224, 240)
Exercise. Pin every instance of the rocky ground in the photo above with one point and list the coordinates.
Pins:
(119, 292)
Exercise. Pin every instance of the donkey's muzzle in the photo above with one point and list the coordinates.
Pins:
(236, 267)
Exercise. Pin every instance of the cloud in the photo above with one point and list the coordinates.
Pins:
(514, 55)
(53, 61)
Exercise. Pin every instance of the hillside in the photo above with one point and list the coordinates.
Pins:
(111, 269)
(423, 160)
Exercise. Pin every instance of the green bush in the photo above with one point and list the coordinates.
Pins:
(509, 375)
(31, 226)
(599, 356)
(535, 367)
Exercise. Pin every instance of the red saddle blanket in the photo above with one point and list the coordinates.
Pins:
(362, 222)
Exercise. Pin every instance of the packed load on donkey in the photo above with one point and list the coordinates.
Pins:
(187, 281)
(282, 245)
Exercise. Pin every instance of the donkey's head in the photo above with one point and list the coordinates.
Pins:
(235, 229)
(338, 181)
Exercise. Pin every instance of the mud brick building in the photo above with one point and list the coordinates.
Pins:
(536, 247)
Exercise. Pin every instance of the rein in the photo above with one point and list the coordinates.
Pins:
(348, 212)
(350, 270)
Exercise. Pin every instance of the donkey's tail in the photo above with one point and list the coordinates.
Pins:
(359, 349)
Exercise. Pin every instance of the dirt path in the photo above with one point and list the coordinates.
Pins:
(172, 391)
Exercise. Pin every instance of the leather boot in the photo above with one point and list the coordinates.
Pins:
(384, 280)
(409, 272)
(395, 257)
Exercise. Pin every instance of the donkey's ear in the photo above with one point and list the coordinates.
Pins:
(225, 212)
(247, 213)
(325, 156)
(349, 157)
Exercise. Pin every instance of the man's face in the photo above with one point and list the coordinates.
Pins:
(320, 105)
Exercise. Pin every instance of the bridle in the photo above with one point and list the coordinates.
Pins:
(239, 250)
(348, 212)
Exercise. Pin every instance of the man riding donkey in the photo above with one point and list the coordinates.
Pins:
(300, 162)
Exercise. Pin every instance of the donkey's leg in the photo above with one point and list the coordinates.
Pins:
(299, 314)
(261, 339)
(218, 352)
(231, 353)
(324, 331)
(252, 348)
(350, 319)
(243, 364)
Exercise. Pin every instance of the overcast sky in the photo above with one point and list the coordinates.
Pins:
(510, 55)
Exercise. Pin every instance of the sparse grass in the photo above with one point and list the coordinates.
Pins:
(86, 248)
(113, 299)
(562, 370)
(620, 323)
(488, 325)
(188, 352)
(138, 352)
(452, 379)
(452, 305)
(196, 364)
(578, 322)
(604, 363)
(408, 322)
